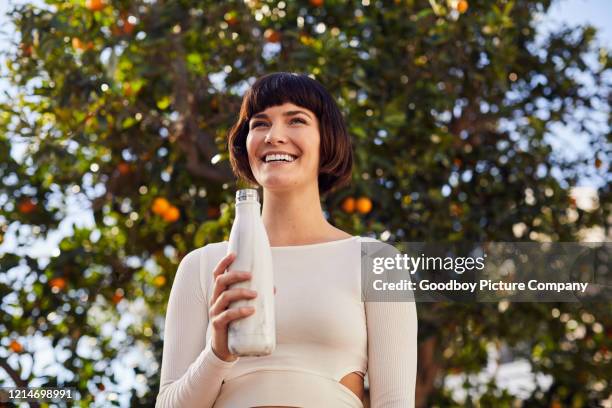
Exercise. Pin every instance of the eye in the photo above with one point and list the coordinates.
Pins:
(256, 124)
(298, 120)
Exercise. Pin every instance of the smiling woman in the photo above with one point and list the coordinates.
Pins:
(290, 140)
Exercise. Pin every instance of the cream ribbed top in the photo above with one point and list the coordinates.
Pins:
(324, 332)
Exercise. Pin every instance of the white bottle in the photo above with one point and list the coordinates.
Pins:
(254, 335)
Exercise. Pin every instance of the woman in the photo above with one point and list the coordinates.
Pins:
(291, 140)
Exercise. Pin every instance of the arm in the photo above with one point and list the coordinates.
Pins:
(191, 373)
(392, 353)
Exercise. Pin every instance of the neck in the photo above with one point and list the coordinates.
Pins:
(294, 217)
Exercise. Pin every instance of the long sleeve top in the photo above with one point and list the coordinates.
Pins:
(324, 331)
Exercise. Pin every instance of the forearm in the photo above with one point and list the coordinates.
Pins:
(199, 385)
(191, 374)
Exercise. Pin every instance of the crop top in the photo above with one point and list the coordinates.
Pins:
(324, 331)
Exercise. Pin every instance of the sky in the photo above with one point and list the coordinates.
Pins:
(577, 12)
(572, 12)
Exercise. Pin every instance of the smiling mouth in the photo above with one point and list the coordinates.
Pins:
(279, 158)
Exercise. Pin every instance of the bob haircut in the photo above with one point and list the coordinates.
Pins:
(335, 154)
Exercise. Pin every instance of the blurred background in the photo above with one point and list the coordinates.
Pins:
(472, 120)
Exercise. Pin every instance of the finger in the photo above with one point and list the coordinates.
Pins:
(219, 269)
(223, 281)
(223, 264)
(221, 321)
(230, 296)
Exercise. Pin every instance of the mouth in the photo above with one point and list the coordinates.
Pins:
(278, 159)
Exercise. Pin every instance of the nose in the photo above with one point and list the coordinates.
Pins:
(275, 135)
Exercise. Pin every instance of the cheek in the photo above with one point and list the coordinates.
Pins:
(251, 149)
(315, 151)
(249, 143)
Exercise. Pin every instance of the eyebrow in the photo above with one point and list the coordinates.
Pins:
(288, 113)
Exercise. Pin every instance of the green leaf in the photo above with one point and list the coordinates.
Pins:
(164, 102)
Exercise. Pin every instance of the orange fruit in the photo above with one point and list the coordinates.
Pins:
(128, 27)
(127, 90)
(123, 168)
(363, 205)
(348, 205)
(26, 49)
(272, 36)
(462, 6)
(160, 205)
(59, 283)
(171, 214)
(456, 209)
(94, 5)
(26, 206)
(159, 281)
(316, 3)
(16, 347)
(117, 297)
(77, 44)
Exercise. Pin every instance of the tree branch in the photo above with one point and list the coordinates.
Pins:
(427, 370)
(12, 373)
(192, 140)
(16, 378)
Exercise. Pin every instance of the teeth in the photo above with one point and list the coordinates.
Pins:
(277, 157)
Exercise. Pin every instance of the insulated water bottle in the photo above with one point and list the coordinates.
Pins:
(254, 335)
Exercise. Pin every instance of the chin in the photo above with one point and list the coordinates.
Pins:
(277, 184)
(279, 187)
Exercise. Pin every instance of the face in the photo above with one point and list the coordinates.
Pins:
(279, 131)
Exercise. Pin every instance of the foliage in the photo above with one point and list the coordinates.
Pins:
(125, 105)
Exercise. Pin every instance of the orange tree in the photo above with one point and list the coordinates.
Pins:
(125, 105)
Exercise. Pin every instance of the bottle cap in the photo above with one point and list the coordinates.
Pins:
(247, 194)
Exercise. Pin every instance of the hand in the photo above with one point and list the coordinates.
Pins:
(222, 296)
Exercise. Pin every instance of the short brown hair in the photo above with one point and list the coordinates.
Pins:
(336, 152)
